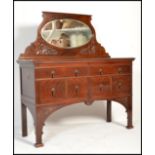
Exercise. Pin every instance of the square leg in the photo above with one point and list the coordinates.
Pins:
(24, 119)
(108, 111)
(129, 121)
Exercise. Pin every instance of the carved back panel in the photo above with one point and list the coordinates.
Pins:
(40, 48)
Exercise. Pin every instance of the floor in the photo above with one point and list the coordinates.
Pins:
(83, 129)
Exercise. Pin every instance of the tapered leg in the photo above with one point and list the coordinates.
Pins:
(41, 114)
(129, 113)
(38, 129)
(108, 111)
(129, 119)
(24, 120)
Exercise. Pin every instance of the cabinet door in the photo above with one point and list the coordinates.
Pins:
(77, 88)
(50, 90)
(121, 85)
(100, 87)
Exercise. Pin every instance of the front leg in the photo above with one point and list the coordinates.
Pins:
(129, 113)
(38, 132)
(42, 112)
(129, 117)
(24, 120)
(108, 110)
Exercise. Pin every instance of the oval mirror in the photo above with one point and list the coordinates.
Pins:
(66, 33)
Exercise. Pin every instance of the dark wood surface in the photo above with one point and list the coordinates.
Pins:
(85, 74)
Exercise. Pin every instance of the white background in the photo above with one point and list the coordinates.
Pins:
(117, 26)
(6, 82)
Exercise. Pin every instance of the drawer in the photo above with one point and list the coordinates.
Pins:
(121, 84)
(50, 90)
(77, 71)
(121, 69)
(57, 72)
(101, 69)
(77, 87)
(100, 86)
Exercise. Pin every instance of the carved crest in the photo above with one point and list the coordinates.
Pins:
(41, 48)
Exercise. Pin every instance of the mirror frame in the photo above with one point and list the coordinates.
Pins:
(57, 41)
(49, 16)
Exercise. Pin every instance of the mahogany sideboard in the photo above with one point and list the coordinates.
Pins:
(66, 65)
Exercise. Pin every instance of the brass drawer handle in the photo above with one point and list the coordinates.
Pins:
(52, 73)
(53, 91)
(76, 72)
(120, 69)
(101, 71)
(101, 87)
(76, 89)
(119, 85)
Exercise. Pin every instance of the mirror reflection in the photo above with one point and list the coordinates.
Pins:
(66, 33)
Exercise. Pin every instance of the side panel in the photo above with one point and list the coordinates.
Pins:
(27, 82)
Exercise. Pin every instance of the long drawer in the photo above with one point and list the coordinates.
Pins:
(57, 72)
(56, 90)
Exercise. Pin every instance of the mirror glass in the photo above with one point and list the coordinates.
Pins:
(66, 33)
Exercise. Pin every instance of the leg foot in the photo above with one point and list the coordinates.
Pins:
(108, 111)
(39, 145)
(24, 120)
(88, 102)
(129, 121)
(129, 127)
(38, 127)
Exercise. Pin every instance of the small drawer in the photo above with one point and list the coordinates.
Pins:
(121, 84)
(77, 71)
(102, 69)
(99, 70)
(50, 90)
(121, 69)
(77, 88)
(100, 86)
(58, 72)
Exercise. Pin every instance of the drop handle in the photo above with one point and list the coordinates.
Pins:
(119, 84)
(101, 71)
(101, 87)
(52, 73)
(53, 91)
(76, 72)
(120, 70)
(76, 89)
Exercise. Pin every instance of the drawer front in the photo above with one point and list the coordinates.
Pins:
(57, 72)
(121, 84)
(50, 90)
(77, 71)
(77, 88)
(100, 86)
(50, 72)
(101, 69)
(121, 69)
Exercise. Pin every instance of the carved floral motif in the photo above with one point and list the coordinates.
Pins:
(44, 50)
